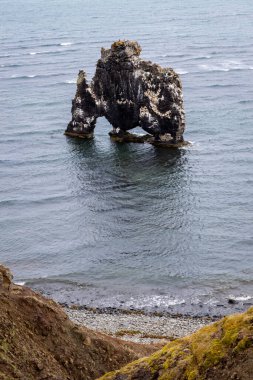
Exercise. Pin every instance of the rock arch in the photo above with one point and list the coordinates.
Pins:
(129, 92)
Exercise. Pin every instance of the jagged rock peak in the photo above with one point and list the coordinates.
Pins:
(129, 92)
(121, 50)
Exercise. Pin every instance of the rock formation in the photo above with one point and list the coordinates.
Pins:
(129, 92)
(38, 341)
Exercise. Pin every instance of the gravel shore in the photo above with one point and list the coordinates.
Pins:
(137, 327)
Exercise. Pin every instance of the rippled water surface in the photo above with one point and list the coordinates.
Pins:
(103, 224)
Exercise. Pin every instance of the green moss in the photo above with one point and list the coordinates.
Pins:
(192, 375)
(192, 357)
(215, 353)
(243, 344)
(230, 337)
(119, 43)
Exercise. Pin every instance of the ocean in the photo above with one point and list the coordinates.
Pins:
(102, 224)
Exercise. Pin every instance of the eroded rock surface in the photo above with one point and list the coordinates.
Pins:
(129, 92)
(38, 341)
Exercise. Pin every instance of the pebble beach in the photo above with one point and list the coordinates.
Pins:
(138, 327)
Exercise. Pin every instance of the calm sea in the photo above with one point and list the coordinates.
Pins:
(102, 224)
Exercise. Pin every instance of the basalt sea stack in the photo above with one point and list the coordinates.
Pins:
(129, 92)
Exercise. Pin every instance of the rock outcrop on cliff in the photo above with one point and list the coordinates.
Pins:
(38, 341)
(221, 351)
(129, 92)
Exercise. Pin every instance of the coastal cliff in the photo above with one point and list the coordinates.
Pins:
(129, 92)
(38, 341)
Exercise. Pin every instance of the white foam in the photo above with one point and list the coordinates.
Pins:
(189, 144)
(23, 76)
(211, 301)
(71, 81)
(240, 298)
(155, 301)
(66, 43)
(21, 283)
(228, 65)
(213, 68)
(181, 71)
(175, 302)
(40, 52)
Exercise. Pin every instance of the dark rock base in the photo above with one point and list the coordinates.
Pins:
(85, 136)
(127, 137)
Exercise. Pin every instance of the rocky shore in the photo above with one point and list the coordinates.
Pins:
(137, 327)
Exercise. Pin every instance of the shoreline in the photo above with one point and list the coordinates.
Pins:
(84, 296)
(136, 326)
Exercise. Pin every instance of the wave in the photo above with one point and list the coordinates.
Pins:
(21, 283)
(155, 301)
(45, 280)
(12, 65)
(40, 52)
(179, 55)
(66, 43)
(218, 85)
(44, 52)
(225, 66)
(51, 52)
(70, 81)
(29, 76)
(181, 71)
(23, 76)
(53, 44)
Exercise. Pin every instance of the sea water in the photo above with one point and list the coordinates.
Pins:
(102, 224)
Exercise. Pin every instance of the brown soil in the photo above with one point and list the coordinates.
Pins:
(38, 341)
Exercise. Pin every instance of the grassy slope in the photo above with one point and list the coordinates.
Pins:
(223, 350)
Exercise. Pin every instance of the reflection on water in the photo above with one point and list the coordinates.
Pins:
(135, 199)
(141, 225)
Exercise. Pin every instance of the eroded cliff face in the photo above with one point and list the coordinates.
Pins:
(129, 92)
(38, 341)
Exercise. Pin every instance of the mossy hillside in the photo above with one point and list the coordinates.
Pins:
(196, 356)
